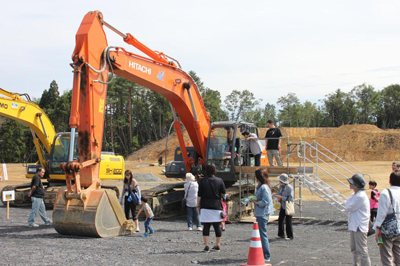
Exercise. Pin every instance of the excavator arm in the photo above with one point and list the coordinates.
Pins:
(84, 208)
(15, 107)
(94, 60)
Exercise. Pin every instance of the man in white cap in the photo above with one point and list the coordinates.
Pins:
(357, 207)
(191, 190)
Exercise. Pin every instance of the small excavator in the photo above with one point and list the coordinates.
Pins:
(86, 209)
(52, 149)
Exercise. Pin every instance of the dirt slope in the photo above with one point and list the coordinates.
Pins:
(351, 142)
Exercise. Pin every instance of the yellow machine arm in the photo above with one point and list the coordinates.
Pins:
(13, 106)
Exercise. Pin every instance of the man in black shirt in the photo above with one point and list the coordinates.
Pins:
(273, 144)
(36, 194)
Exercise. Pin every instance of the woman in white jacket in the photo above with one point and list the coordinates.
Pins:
(357, 207)
(390, 250)
(191, 189)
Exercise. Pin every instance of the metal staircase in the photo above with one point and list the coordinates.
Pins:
(331, 172)
(324, 191)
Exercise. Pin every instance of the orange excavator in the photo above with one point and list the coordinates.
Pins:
(86, 209)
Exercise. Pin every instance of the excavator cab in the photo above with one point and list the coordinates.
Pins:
(224, 148)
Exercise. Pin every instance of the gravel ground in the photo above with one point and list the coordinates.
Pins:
(322, 241)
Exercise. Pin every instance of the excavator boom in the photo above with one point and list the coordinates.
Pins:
(76, 208)
(13, 106)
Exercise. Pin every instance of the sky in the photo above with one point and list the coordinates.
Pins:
(271, 48)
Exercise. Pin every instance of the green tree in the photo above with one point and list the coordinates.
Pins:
(211, 99)
(16, 142)
(269, 113)
(367, 103)
(334, 107)
(289, 114)
(389, 107)
(255, 116)
(238, 103)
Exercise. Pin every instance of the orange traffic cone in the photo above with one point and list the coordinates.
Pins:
(256, 254)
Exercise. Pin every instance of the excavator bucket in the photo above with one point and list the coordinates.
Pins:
(98, 215)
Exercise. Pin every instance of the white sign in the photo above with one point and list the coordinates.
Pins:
(5, 172)
(8, 195)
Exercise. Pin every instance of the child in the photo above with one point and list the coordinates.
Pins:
(225, 210)
(373, 202)
(149, 217)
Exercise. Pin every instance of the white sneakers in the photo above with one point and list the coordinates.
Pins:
(33, 225)
(198, 228)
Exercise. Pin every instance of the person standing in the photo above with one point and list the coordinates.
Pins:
(130, 186)
(395, 166)
(211, 190)
(390, 250)
(191, 190)
(36, 194)
(225, 210)
(254, 145)
(373, 201)
(285, 193)
(273, 144)
(263, 209)
(357, 206)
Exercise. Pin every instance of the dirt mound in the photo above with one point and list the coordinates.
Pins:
(152, 151)
(350, 142)
(359, 129)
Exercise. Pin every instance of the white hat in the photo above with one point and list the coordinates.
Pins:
(189, 177)
(284, 178)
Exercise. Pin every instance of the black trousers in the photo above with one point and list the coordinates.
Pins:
(217, 229)
(129, 206)
(374, 212)
(281, 227)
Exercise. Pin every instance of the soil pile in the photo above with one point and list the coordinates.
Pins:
(350, 142)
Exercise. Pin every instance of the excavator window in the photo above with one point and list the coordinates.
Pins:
(60, 153)
(220, 147)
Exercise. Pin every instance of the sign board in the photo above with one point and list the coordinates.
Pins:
(3, 172)
(8, 195)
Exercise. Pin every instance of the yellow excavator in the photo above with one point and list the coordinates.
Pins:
(52, 149)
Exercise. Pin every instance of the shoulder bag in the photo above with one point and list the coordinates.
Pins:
(289, 207)
(133, 197)
(184, 199)
(390, 229)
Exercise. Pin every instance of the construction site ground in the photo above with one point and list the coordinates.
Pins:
(151, 176)
(323, 241)
(321, 236)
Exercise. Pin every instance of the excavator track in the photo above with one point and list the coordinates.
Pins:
(21, 195)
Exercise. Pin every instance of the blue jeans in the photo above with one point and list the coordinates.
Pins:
(257, 160)
(38, 206)
(147, 228)
(262, 228)
(192, 213)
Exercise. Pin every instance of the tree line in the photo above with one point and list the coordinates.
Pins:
(136, 116)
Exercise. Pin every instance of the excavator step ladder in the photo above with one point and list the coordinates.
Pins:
(329, 166)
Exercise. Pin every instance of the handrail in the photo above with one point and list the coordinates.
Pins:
(316, 148)
(351, 166)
